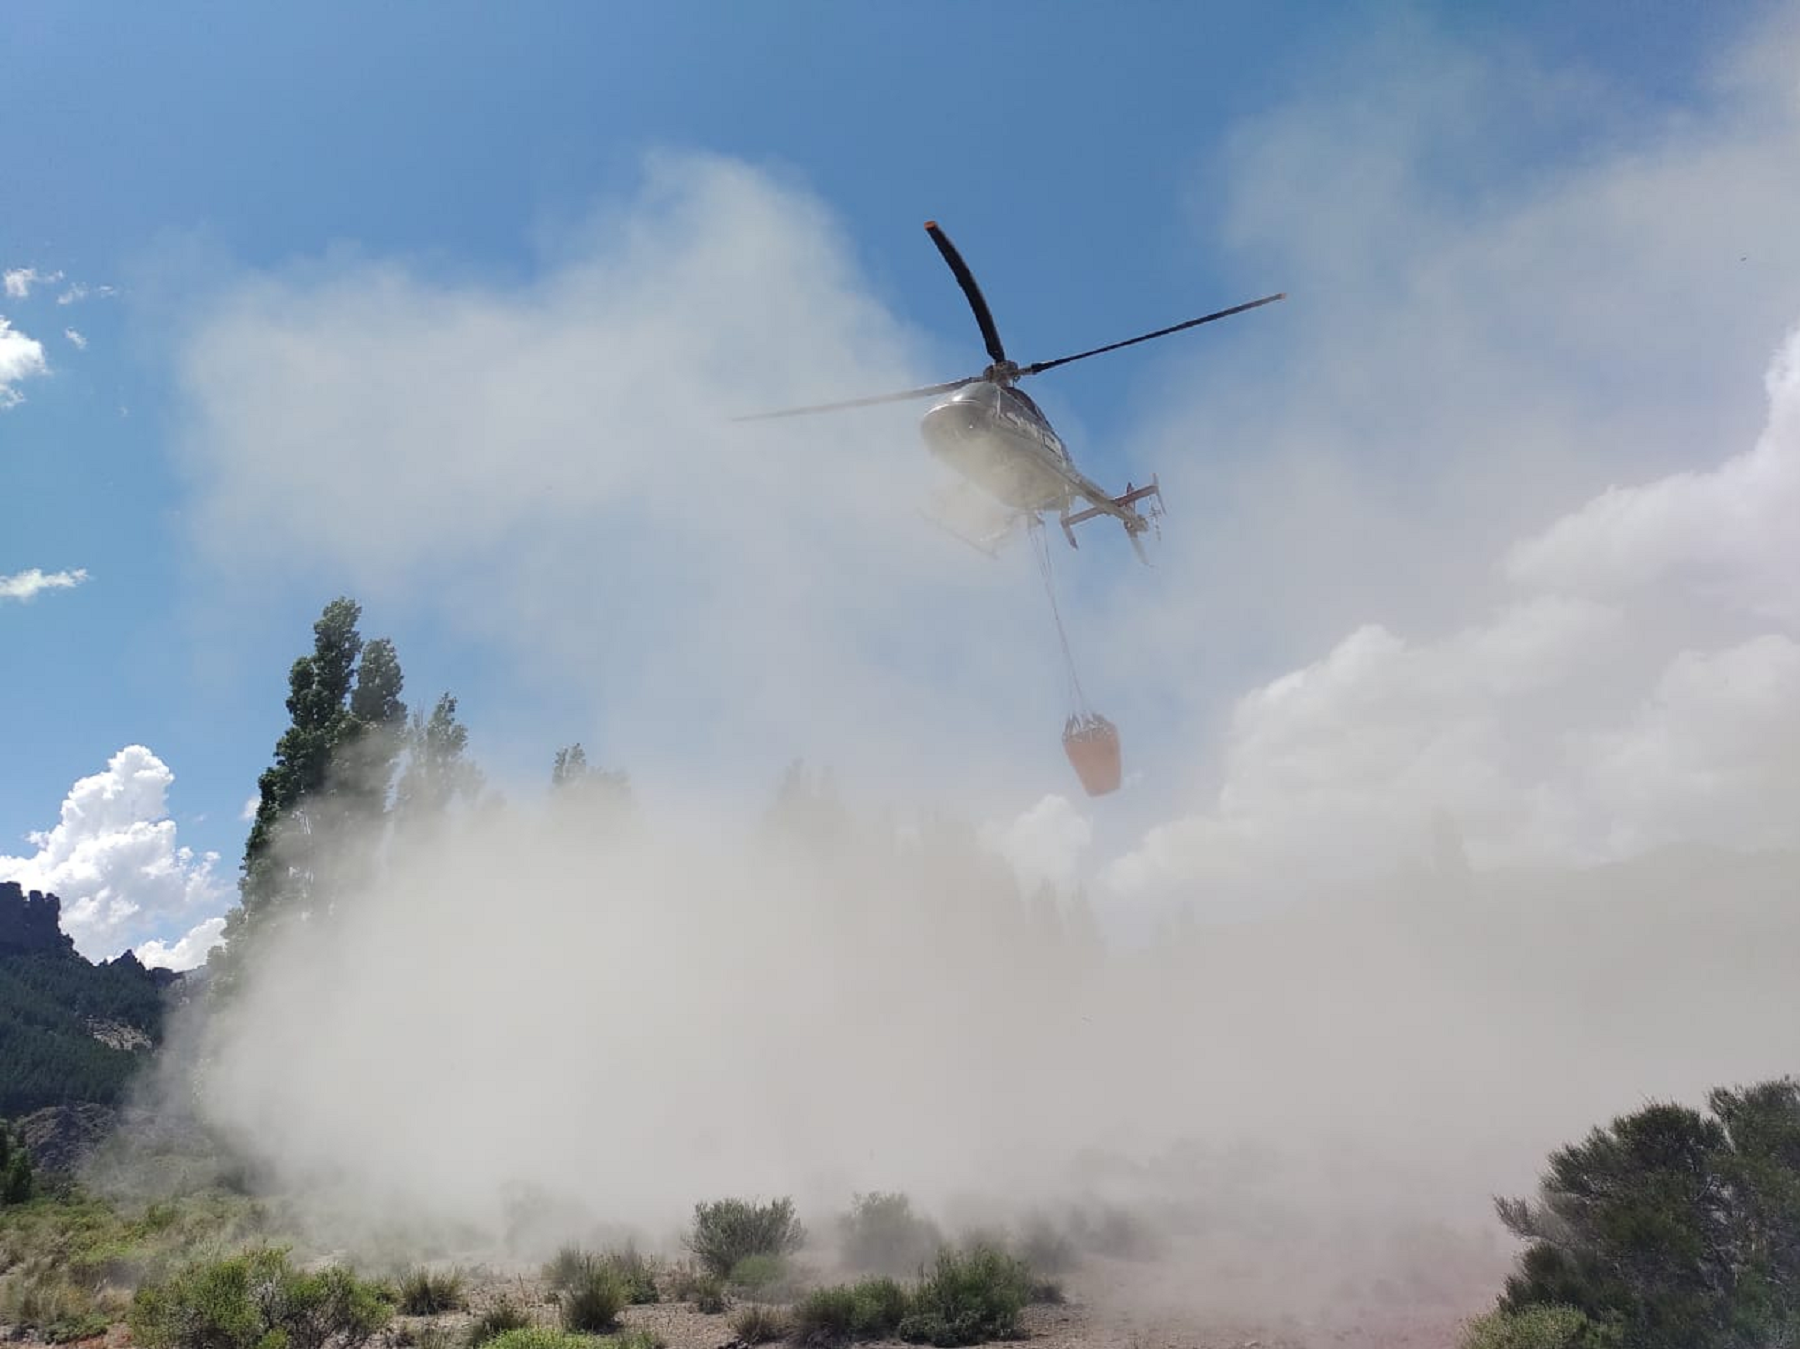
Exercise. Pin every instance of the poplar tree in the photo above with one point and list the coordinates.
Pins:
(320, 803)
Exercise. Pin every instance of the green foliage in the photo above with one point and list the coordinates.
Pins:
(332, 770)
(882, 1235)
(437, 774)
(758, 1323)
(1541, 1327)
(17, 1183)
(501, 1315)
(592, 1299)
(48, 1053)
(728, 1230)
(969, 1297)
(627, 1266)
(637, 1337)
(538, 1337)
(426, 1292)
(55, 1305)
(870, 1309)
(767, 1277)
(257, 1300)
(704, 1289)
(1680, 1228)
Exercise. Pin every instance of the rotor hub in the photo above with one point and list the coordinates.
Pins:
(1005, 373)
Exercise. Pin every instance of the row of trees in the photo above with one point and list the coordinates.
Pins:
(353, 770)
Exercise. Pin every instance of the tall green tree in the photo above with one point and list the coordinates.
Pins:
(320, 801)
(438, 773)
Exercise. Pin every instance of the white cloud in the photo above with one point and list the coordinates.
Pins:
(1727, 533)
(21, 358)
(114, 860)
(1044, 845)
(19, 281)
(27, 585)
(79, 342)
(251, 803)
(1485, 329)
(1565, 729)
(80, 290)
(186, 953)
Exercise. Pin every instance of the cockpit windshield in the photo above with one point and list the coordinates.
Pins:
(1029, 408)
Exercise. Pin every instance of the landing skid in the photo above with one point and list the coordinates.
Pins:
(1122, 509)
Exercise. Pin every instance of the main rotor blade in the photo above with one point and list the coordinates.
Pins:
(966, 279)
(925, 392)
(1040, 366)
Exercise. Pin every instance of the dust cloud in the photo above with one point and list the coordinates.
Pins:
(1269, 1055)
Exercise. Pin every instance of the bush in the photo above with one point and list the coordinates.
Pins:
(634, 1273)
(765, 1277)
(539, 1337)
(970, 1297)
(729, 1230)
(706, 1291)
(1542, 1327)
(883, 1235)
(759, 1324)
(17, 1184)
(592, 1301)
(870, 1309)
(424, 1292)
(544, 1337)
(1681, 1229)
(256, 1300)
(499, 1317)
(53, 1305)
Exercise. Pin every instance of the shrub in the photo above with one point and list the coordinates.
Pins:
(970, 1297)
(539, 1337)
(567, 1265)
(760, 1324)
(1544, 1327)
(53, 1305)
(257, 1299)
(592, 1301)
(1046, 1248)
(1681, 1229)
(767, 1277)
(634, 1273)
(425, 1292)
(638, 1337)
(728, 1230)
(706, 1291)
(883, 1235)
(869, 1309)
(17, 1184)
(500, 1316)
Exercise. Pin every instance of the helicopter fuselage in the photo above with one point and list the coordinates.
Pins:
(997, 438)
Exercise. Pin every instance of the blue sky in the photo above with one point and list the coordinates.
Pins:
(1090, 160)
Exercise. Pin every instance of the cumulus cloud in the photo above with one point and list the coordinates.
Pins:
(21, 358)
(1494, 510)
(1591, 722)
(114, 860)
(1044, 845)
(19, 281)
(187, 953)
(27, 585)
(76, 339)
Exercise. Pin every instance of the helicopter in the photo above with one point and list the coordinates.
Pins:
(991, 432)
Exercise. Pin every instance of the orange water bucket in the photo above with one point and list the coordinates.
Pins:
(1092, 744)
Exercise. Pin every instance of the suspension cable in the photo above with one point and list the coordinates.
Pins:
(1041, 547)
